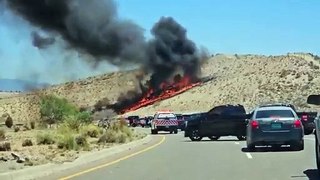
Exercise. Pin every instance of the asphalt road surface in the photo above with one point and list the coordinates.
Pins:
(177, 158)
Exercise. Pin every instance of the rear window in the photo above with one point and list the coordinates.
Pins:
(274, 113)
(166, 115)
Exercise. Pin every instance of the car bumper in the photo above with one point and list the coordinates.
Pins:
(166, 128)
(284, 137)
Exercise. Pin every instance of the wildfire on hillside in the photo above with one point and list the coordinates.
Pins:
(149, 96)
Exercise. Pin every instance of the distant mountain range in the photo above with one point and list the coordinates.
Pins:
(20, 85)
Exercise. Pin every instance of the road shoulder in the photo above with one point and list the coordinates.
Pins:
(87, 161)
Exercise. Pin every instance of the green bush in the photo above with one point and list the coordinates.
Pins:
(54, 109)
(118, 132)
(72, 122)
(67, 141)
(84, 117)
(46, 138)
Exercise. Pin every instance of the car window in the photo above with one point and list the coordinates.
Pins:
(274, 113)
(233, 111)
(166, 115)
(216, 111)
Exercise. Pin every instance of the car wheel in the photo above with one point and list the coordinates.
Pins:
(241, 138)
(195, 135)
(298, 146)
(214, 138)
(176, 131)
(251, 147)
(308, 132)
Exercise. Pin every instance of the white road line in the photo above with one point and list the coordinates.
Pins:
(309, 139)
(249, 155)
(236, 142)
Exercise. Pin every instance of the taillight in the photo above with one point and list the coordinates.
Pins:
(304, 117)
(297, 123)
(254, 124)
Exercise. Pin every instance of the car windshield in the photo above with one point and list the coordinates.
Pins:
(166, 116)
(274, 113)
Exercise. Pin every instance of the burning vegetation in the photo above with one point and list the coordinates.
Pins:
(170, 59)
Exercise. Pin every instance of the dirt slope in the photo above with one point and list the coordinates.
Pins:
(243, 79)
(249, 80)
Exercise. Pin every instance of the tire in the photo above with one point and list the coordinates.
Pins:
(251, 147)
(214, 138)
(317, 147)
(308, 132)
(154, 131)
(298, 146)
(176, 131)
(241, 138)
(195, 135)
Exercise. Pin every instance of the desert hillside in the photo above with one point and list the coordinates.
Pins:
(240, 79)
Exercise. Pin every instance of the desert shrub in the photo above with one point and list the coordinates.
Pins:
(2, 134)
(72, 122)
(81, 141)
(54, 109)
(8, 120)
(27, 142)
(16, 129)
(45, 138)
(111, 136)
(91, 131)
(122, 138)
(67, 141)
(5, 146)
(33, 124)
(102, 138)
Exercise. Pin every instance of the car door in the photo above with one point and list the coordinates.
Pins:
(209, 125)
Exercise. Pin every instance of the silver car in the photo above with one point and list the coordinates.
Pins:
(275, 126)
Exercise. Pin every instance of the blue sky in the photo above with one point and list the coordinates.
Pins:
(237, 26)
(269, 27)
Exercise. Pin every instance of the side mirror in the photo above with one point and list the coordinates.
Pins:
(314, 99)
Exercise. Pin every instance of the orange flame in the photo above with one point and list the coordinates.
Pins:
(169, 90)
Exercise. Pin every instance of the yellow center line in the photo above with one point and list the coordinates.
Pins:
(115, 161)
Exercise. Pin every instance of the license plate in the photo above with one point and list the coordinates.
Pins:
(276, 125)
(167, 126)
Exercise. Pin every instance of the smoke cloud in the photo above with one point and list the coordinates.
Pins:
(93, 28)
(40, 41)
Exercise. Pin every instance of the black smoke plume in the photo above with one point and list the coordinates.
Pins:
(91, 27)
(94, 28)
(41, 42)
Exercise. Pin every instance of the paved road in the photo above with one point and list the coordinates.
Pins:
(177, 158)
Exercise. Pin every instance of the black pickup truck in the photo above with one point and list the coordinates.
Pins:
(307, 119)
(224, 120)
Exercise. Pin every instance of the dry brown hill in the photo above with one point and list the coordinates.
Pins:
(241, 79)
